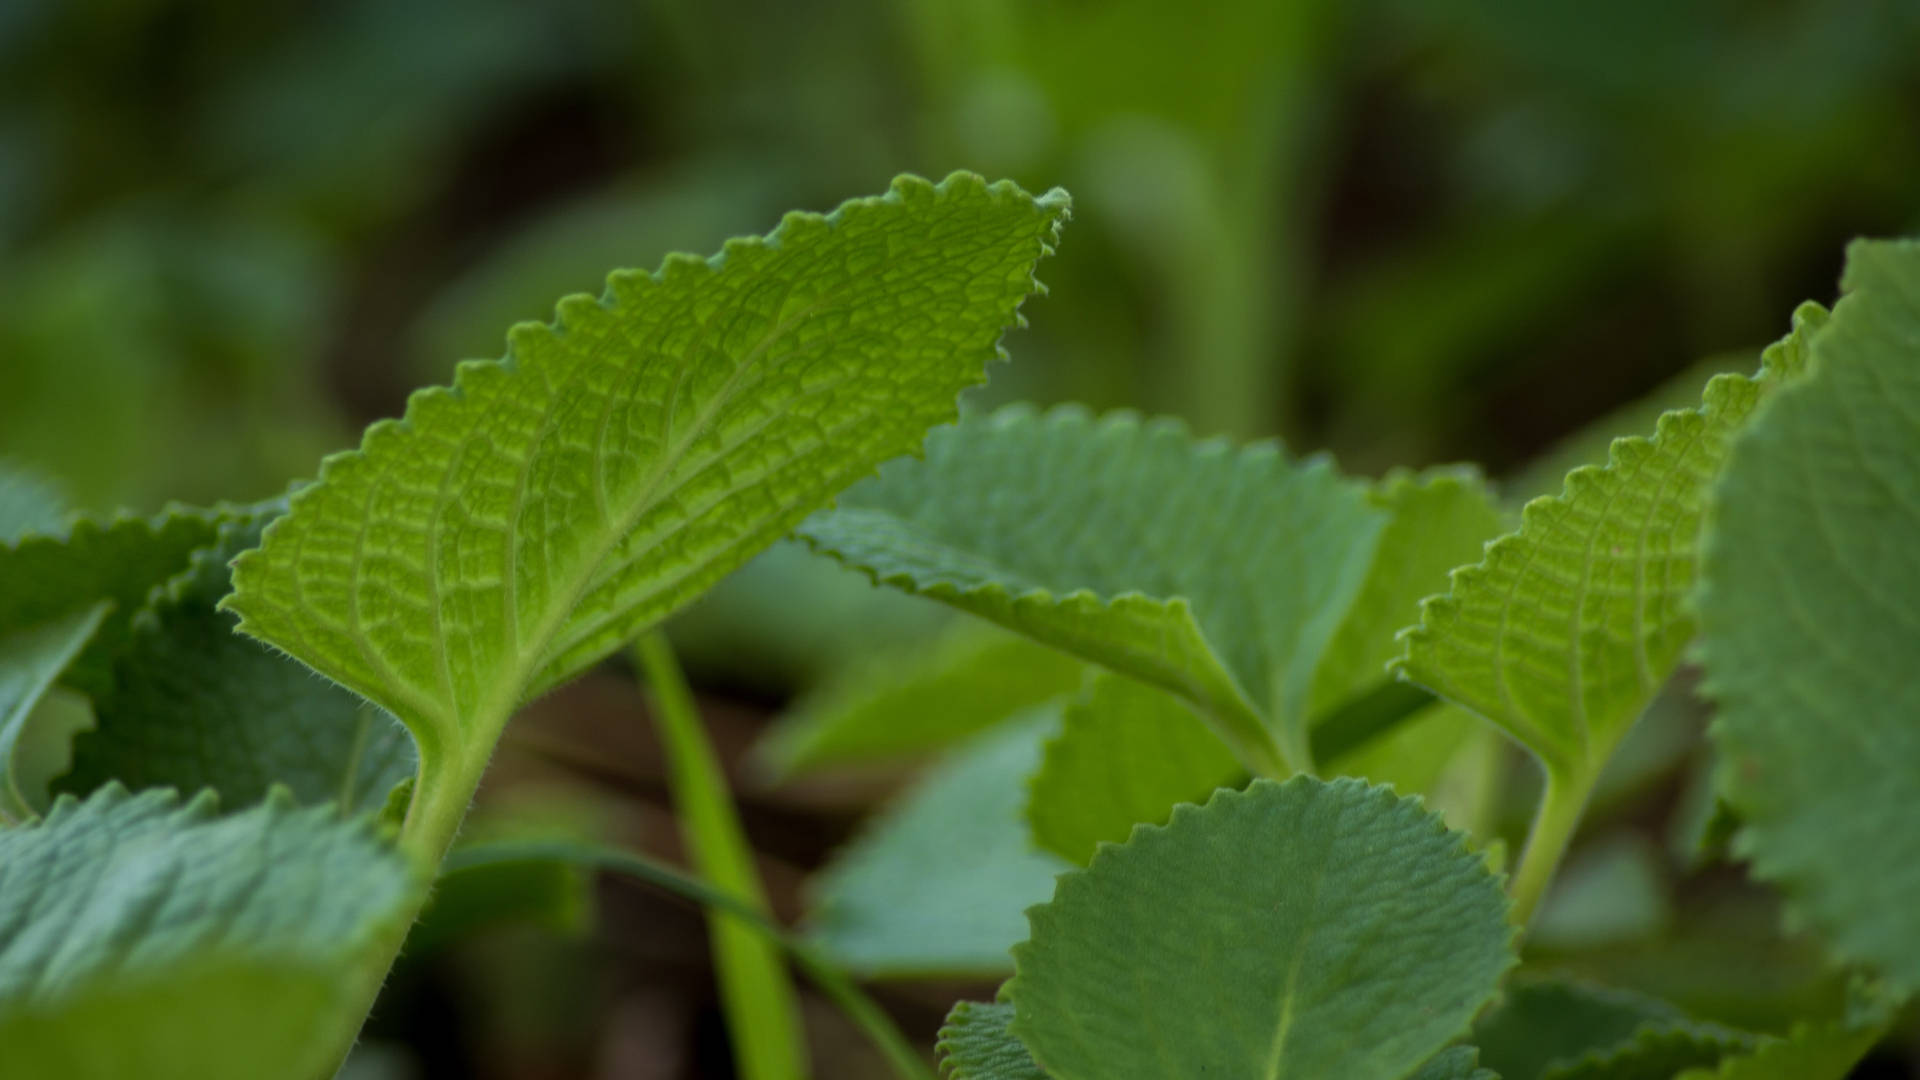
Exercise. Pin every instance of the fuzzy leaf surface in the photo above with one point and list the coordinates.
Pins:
(145, 909)
(1217, 573)
(1568, 626)
(894, 706)
(1126, 754)
(1296, 929)
(192, 705)
(30, 661)
(1810, 629)
(937, 882)
(518, 526)
(975, 1045)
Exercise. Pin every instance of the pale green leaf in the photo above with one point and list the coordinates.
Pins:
(1810, 630)
(30, 661)
(132, 927)
(44, 751)
(516, 528)
(896, 703)
(937, 884)
(29, 503)
(1568, 626)
(1420, 756)
(1297, 929)
(192, 705)
(975, 1045)
(1220, 574)
(49, 577)
(1126, 753)
(1437, 520)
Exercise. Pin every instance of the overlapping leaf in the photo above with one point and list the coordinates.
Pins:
(975, 1045)
(1216, 573)
(937, 883)
(192, 705)
(1810, 629)
(1126, 754)
(1561, 1030)
(1297, 929)
(1458, 1063)
(146, 935)
(30, 661)
(28, 503)
(517, 527)
(895, 704)
(1567, 627)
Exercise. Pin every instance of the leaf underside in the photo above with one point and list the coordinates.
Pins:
(1296, 929)
(975, 1045)
(30, 661)
(1809, 627)
(1568, 626)
(519, 526)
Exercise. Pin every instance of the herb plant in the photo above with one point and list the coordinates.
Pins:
(1248, 704)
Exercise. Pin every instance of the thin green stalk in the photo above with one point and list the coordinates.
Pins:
(1561, 805)
(763, 1013)
(834, 983)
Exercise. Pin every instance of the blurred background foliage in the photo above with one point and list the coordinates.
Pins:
(232, 233)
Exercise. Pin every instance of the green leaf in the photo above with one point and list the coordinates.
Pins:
(49, 577)
(1437, 520)
(1215, 573)
(193, 705)
(1296, 929)
(937, 883)
(1809, 630)
(1559, 1028)
(1458, 1063)
(1568, 626)
(1126, 753)
(44, 750)
(975, 1045)
(1809, 1052)
(897, 704)
(516, 528)
(150, 936)
(29, 503)
(30, 661)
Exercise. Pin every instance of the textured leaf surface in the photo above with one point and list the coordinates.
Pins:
(975, 1045)
(28, 503)
(1567, 627)
(517, 527)
(49, 577)
(107, 902)
(1459, 1063)
(1810, 627)
(1217, 573)
(1126, 753)
(1437, 520)
(30, 661)
(192, 705)
(895, 705)
(1296, 929)
(938, 882)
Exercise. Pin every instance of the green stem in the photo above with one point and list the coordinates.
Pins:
(763, 1016)
(1561, 804)
(834, 983)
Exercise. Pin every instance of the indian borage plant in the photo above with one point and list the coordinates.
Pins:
(1240, 606)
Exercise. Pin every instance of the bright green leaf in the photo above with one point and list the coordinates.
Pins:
(975, 1045)
(1296, 929)
(192, 705)
(938, 882)
(30, 661)
(1126, 753)
(1809, 624)
(516, 528)
(896, 704)
(1220, 574)
(1567, 627)
(136, 930)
